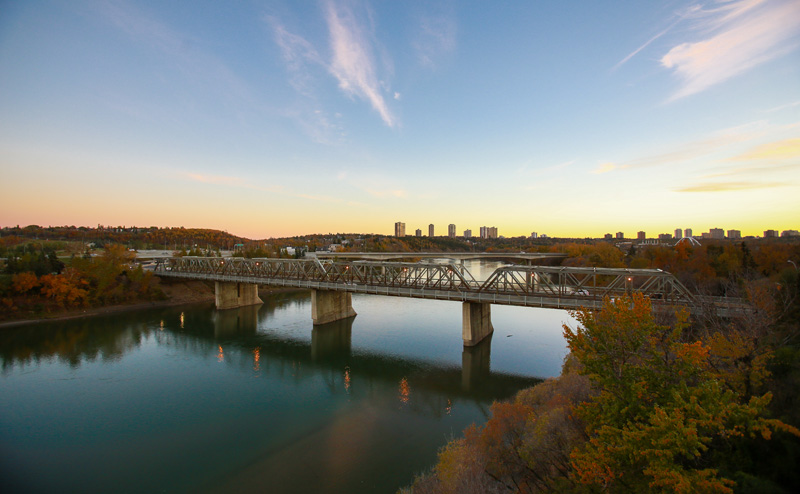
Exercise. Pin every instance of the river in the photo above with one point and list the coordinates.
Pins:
(190, 399)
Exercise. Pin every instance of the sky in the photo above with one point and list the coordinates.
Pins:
(283, 118)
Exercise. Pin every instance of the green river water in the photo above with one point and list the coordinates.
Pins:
(257, 399)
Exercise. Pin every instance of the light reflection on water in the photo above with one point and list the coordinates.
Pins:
(194, 399)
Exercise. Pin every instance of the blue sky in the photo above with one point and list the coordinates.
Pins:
(285, 118)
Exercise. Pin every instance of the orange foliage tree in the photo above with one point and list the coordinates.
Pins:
(660, 407)
(66, 289)
(24, 282)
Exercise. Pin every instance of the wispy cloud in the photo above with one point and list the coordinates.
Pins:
(740, 35)
(730, 186)
(774, 151)
(353, 63)
(183, 51)
(297, 52)
(376, 186)
(301, 57)
(778, 159)
(782, 107)
(690, 150)
(435, 38)
(606, 167)
(650, 41)
(530, 169)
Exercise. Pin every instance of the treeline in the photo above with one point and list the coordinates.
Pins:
(132, 237)
(38, 283)
(647, 404)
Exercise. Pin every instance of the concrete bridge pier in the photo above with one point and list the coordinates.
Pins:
(230, 295)
(476, 322)
(328, 306)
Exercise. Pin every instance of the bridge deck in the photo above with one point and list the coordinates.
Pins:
(526, 286)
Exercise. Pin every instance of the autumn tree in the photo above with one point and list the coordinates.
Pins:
(524, 447)
(660, 406)
(22, 283)
(66, 289)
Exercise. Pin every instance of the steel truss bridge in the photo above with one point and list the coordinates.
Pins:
(526, 286)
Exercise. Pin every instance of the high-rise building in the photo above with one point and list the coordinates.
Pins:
(418, 232)
(734, 234)
(620, 235)
(641, 236)
(790, 233)
(678, 233)
(534, 235)
(399, 229)
(488, 232)
(770, 233)
(467, 233)
(717, 233)
(608, 236)
(430, 230)
(687, 232)
(664, 237)
(451, 230)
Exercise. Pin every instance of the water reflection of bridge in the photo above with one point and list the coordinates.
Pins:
(331, 348)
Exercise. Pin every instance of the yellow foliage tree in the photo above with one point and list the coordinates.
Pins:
(660, 405)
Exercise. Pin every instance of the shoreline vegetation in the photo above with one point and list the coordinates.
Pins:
(184, 293)
(644, 403)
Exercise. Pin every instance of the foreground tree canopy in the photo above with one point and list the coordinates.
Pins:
(641, 406)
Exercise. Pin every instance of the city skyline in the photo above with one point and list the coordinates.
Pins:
(284, 118)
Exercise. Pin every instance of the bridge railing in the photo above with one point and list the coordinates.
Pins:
(389, 274)
(595, 283)
(513, 281)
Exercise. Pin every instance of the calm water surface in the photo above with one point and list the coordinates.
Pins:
(194, 400)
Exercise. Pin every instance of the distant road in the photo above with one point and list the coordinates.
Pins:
(166, 254)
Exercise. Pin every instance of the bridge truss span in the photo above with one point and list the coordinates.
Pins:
(587, 282)
(528, 286)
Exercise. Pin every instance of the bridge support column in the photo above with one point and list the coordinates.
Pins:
(328, 306)
(229, 295)
(476, 322)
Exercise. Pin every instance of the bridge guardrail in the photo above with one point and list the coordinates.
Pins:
(562, 287)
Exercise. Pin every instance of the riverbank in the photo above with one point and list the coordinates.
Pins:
(177, 292)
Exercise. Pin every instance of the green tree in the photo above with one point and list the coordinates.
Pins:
(660, 405)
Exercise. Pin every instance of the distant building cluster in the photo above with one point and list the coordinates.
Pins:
(686, 234)
(679, 234)
(485, 231)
